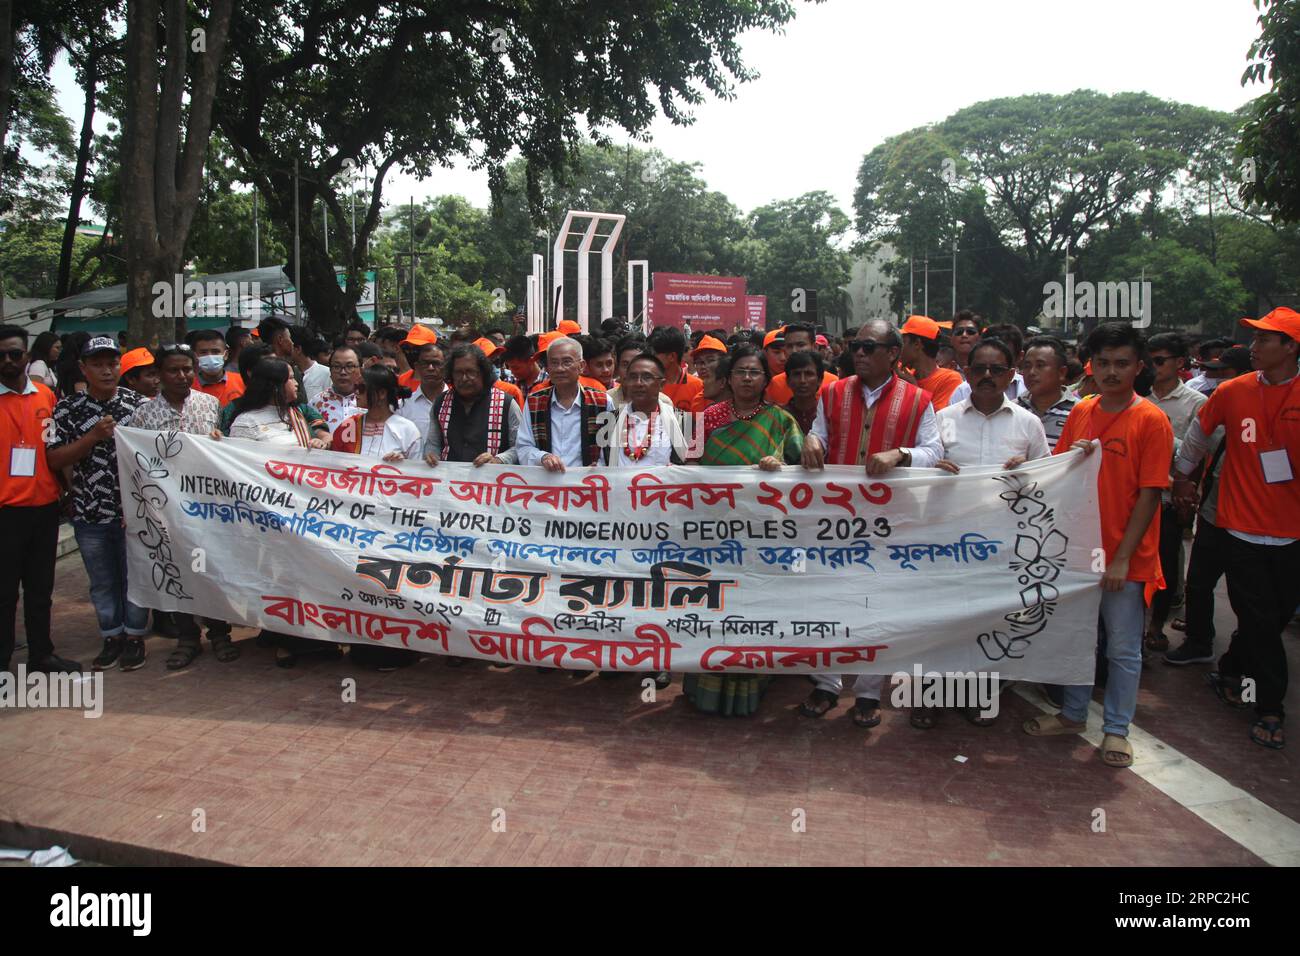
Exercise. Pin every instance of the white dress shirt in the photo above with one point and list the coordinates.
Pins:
(1014, 390)
(566, 433)
(417, 409)
(972, 438)
(928, 449)
(314, 381)
(630, 430)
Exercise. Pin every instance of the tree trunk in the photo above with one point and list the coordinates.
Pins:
(91, 83)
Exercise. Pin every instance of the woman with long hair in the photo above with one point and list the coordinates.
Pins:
(45, 359)
(268, 411)
(746, 430)
(69, 375)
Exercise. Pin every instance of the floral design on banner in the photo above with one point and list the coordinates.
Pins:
(1040, 557)
(150, 499)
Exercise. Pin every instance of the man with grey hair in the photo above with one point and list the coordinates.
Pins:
(562, 419)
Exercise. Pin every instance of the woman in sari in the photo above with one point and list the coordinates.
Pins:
(747, 430)
(269, 412)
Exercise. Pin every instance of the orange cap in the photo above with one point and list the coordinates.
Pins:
(136, 358)
(1087, 368)
(544, 341)
(255, 334)
(420, 335)
(775, 337)
(1281, 319)
(709, 344)
(568, 327)
(921, 325)
(487, 346)
(944, 325)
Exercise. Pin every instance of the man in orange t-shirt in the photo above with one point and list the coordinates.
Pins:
(29, 508)
(210, 375)
(1259, 507)
(669, 346)
(1137, 445)
(798, 338)
(920, 353)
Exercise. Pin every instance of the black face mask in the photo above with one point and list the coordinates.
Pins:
(1144, 382)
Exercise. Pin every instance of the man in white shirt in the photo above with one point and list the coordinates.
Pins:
(562, 419)
(647, 432)
(1015, 339)
(431, 369)
(339, 402)
(315, 377)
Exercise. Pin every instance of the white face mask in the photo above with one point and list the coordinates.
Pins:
(211, 364)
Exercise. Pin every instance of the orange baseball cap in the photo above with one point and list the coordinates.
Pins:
(944, 325)
(420, 335)
(921, 325)
(487, 346)
(775, 337)
(568, 327)
(1087, 368)
(1281, 319)
(709, 344)
(544, 341)
(136, 358)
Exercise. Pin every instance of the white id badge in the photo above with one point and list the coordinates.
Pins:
(22, 462)
(1276, 465)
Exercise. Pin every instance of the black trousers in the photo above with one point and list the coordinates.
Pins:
(1264, 584)
(188, 626)
(1171, 549)
(1208, 563)
(29, 540)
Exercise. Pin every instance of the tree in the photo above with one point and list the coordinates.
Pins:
(426, 82)
(795, 249)
(161, 175)
(1035, 175)
(1270, 138)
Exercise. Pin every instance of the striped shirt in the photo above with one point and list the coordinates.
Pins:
(1054, 418)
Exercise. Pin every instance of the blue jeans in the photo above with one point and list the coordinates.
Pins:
(1123, 618)
(103, 551)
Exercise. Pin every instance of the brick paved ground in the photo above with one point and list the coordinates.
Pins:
(416, 771)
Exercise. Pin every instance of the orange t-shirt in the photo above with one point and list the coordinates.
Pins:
(779, 393)
(23, 422)
(1137, 446)
(512, 390)
(941, 384)
(1246, 501)
(699, 403)
(225, 391)
(682, 393)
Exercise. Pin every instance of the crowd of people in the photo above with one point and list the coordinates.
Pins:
(1206, 436)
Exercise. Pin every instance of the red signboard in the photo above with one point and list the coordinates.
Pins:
(705, 302)
(756, 311)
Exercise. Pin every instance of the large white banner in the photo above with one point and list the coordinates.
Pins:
(681, 568)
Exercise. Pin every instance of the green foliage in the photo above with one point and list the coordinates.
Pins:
(1270, 138)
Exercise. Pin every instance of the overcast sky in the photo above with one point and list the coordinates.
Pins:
(849, 73)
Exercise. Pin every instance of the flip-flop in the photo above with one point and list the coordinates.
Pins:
(862, 716)
(1270, 725)
(1114, 744)
(1051, 725)
(1224, 687)
(809, 707)
(923, 718)
(974, 715)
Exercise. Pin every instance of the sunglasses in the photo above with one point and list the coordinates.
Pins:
(979, 371)
(1161, 359)
(13, 355)
(864, 346)
(966, 330)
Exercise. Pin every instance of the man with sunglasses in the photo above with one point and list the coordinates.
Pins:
(965, 333)
(29, 508)
(874, 419)
(1168, 353)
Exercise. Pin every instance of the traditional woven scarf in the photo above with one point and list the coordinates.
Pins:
(496, 417)
(593, 404)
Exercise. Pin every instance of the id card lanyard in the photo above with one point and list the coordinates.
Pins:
(22, 456)
(1111, 424)
(1274, 461)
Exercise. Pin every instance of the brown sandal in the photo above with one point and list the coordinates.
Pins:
(1052, 725)
(1116, 752)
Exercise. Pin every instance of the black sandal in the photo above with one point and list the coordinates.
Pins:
(183, 656)
(1227, 689)
(974, 715)
(225, 651)
(924, 718)
(866, 713)
(812, 707)
(285, 657)
(1271, 726)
